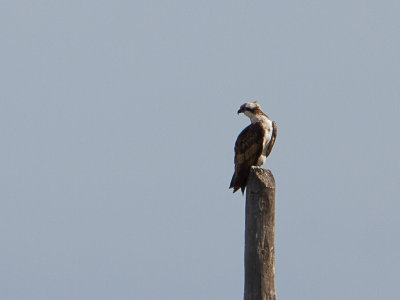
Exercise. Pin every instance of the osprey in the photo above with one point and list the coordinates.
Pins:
(253, 144)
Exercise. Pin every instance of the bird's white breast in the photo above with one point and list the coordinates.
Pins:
(267, 123)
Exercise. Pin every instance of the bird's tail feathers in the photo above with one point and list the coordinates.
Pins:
(236, 184)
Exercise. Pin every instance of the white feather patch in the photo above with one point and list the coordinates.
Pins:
(251, 105)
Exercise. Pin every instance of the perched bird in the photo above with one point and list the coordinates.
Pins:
(253, 144)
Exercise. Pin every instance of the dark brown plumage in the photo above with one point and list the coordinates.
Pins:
(248, 148)
(253, 144)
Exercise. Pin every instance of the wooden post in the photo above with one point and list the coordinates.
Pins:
(259, 256)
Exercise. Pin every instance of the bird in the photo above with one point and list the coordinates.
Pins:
(253, 145)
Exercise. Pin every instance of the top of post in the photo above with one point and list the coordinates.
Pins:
(260, 178)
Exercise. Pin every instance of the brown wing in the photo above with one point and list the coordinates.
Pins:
(248, 148)
(273, 138)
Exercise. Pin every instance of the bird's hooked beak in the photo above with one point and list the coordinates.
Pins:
(241, 110)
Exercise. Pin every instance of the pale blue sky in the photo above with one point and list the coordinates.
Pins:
(118, 120)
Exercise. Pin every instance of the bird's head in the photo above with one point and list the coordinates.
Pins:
(251, 110)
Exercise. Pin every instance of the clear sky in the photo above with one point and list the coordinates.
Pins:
(118, 120)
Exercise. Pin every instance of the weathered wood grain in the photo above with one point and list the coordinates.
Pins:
(259, 236)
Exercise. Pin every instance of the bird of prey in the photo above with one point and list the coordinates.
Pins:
(253, 144)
